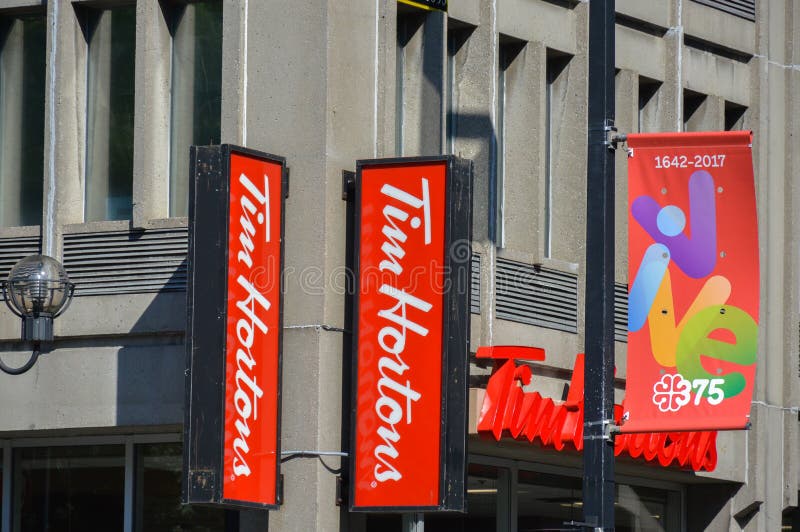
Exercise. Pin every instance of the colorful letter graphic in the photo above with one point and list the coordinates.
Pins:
(697, 255)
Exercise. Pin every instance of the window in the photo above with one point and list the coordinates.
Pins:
(106, 484)
(735, 116)
(158, 494)
(487, 507)
(649, 101)
(546, 502)
(69, 488)
(196, 94)
(694, 110)
(22, 85)
(504, 495)
(111, 35)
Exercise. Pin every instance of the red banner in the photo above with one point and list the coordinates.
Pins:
(693, 282)
(253, 331)
(400, 312)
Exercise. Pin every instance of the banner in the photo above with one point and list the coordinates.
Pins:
(411, 338)
(233, 365)
(693, 282)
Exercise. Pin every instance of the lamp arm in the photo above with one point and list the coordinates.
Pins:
(28, 365)
(4, 287)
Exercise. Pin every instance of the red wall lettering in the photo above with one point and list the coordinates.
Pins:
(508, 411)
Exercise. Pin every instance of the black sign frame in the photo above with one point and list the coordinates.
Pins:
(206, 330)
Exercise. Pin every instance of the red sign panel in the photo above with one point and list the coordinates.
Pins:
(694, 282)
(253, 330)
(403, 311)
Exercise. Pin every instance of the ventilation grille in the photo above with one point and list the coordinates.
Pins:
(621, 312)
(124, 262)
(12, 250)
(740, 8)
(475, 293)
(537, 296)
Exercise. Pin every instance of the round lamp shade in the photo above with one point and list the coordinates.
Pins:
(38, 285)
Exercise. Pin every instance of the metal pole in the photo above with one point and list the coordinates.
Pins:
(598, 454)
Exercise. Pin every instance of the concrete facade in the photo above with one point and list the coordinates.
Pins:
(325, 84)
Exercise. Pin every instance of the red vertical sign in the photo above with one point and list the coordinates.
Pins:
(253, 331)
(400, 311)
(694, 282)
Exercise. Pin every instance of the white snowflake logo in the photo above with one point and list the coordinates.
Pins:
(671, 393)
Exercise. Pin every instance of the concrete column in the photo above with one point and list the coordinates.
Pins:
(422, 57)
(568, 115)
(151, 122)
(524, 147)
(772, 472)
(671, 115)
(236, 51)
(474, 124)
(627, 112)
(65, 124)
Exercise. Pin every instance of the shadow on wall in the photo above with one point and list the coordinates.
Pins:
(487, 189)
(151, 361)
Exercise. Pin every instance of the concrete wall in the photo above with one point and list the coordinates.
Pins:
(317, 84)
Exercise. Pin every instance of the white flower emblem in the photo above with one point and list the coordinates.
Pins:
(672, 392)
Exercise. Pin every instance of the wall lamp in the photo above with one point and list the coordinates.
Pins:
(38, 291)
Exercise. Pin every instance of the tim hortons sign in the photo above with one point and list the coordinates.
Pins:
(233, 361)
(411, 338)
(508, 411)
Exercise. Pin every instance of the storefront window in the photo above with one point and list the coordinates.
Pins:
(69, 488)
(484, 486)
(548, 501)
(158, 494)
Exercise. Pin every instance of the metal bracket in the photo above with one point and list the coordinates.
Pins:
(609, 430)
(348, 185)
(591, 522)
(610, 129)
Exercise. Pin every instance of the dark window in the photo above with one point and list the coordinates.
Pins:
(158, 494)
(22, 82)
(196, 95)
(111, 34)
(69, 488)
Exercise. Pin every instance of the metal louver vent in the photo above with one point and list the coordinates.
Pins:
(620, 312)
(124, 262)
(537, 296)
(14, 249)
(475, 293)
(740, 8)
